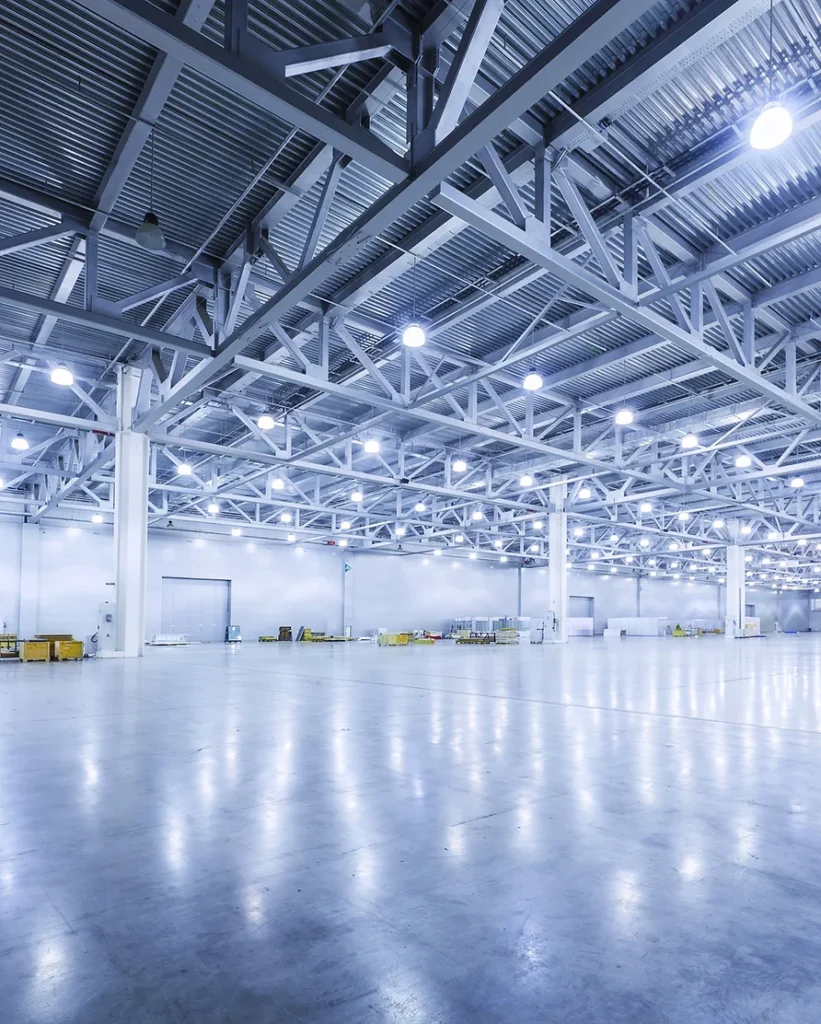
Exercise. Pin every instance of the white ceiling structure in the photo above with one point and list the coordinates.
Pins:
(565, 189)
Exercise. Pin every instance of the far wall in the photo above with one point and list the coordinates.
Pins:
(67, 572)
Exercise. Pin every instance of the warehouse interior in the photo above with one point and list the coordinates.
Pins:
(410, 511)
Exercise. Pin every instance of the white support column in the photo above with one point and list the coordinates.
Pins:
(28, 609)
(557, 598)
(736, 592)
(130, 517)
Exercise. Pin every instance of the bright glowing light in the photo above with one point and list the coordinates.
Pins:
(673, 547)
(718, 524)
(653, 572)
(578, 531)
(236, 532)
(613, 538)
(534, 547)
(285, 517)
(414, 336)
(472, 556)
(400, 531)
(459, 466)
(612, 568)
(624, 417)
(772, 535)
(651, 561)
(420, 506)
(498, 542)
(19, 443)
(585, 493)
(645, 542)
(797, 481)
(97, 518)
(62, 375)
(746, 529)
(772, 126)
(526, 480)
(538, 524)
(184, 469)
(683, 517)
(628, 558)
(277, 484)
(591, 566)
(344, 542)
(476, 515)
(345, 524)
(646, 506)
(459, 538)
(291, 538)
(689, 441)
(372, 446)
(357, 495)
(266, 421)
(743, 462)
(213, 508)
(503, 558)
(533, 381)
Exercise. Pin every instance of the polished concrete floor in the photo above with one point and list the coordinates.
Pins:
(616, 832)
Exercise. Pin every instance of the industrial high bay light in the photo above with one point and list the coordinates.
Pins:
(774, 123)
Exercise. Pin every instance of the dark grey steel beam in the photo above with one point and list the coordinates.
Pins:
(250, 80)
(99, 322)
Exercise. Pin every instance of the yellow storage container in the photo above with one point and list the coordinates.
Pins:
(68, 650)
(34, 650)
(393, 639)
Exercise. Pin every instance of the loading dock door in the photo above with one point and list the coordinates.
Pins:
(581, 607)
(197, 607)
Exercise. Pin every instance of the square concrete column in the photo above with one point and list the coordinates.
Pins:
(558, 602)
(29, 599)
(736, 605)
(130, 517)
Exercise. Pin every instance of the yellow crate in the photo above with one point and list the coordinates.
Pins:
(34, 650)
(68, 650)
(392, 639)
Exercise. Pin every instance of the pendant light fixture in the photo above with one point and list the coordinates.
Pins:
(774, 123)
(413, 336)
(149, 233)
(62, 376)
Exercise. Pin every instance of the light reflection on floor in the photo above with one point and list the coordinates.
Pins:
(602, 832)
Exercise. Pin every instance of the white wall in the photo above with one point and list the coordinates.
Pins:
(276, 584)
(613, 596)
(9, 576)
(272, 585)
(415, 593)
(684, 603)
